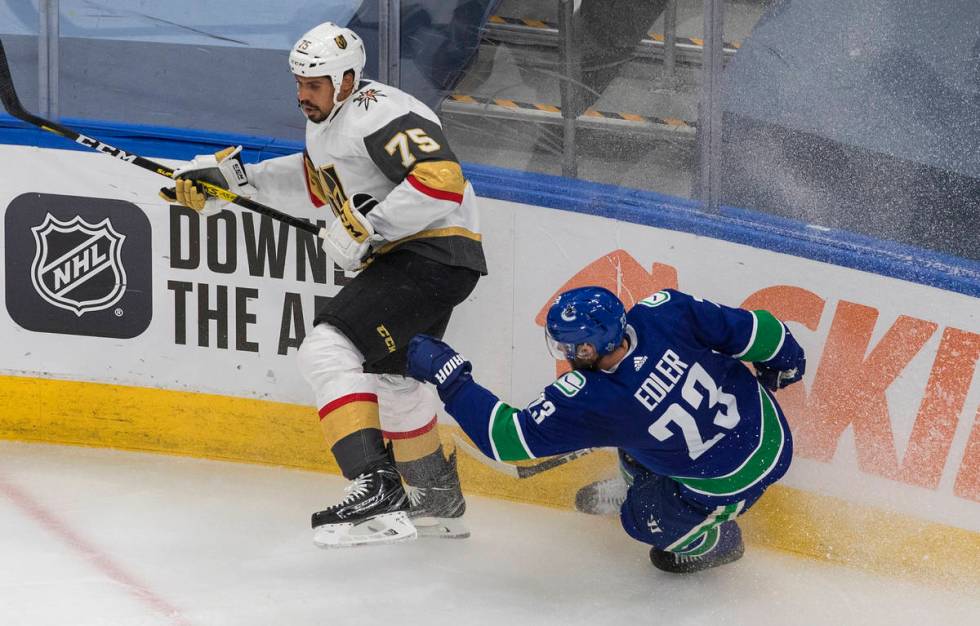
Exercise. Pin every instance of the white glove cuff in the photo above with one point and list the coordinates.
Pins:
(348, 240)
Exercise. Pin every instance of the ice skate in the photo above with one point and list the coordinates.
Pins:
(603, 497)
(729, 547)
(375, 511)
(435, 496)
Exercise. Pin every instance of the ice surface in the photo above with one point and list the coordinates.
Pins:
(94, 537)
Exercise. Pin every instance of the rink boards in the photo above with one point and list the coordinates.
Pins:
(196, 354)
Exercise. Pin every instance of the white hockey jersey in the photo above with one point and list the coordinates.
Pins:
(384, 142)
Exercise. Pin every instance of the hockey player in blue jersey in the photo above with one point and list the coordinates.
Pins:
(699, 436)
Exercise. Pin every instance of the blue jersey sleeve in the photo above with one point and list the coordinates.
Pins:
(755, 336)
(555, 423)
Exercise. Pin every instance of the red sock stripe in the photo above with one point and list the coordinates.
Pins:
(412, 433)
(341, 401)
(439, 194)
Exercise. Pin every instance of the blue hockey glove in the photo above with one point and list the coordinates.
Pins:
(785, 367)
(433, 361)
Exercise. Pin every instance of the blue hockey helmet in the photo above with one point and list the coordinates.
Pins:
(585, 315)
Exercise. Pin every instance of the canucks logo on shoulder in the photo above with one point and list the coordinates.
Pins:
(656, 299)
(570, 384)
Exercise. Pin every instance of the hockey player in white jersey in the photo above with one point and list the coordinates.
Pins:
(403, 214)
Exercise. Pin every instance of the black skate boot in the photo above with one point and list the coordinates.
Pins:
(729, 548)
(374, 511)
(437, 503)
(603, 497)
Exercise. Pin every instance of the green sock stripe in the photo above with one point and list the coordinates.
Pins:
(718, 516)
(767, 338)
(505, 438)
(711, 537)
(756, 467)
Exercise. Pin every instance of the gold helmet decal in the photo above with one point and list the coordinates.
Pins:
(341, 41)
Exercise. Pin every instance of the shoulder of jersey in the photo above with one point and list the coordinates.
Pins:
(573, 386)
(376, 104)
(658, 308)
(663, 299)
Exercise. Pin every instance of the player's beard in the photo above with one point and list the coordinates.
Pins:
(583, 364)
(317, 115)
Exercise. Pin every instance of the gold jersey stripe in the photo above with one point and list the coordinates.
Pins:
(452, 231)
(416, 447)
(440, 175)
(313, 182)
(348, 419)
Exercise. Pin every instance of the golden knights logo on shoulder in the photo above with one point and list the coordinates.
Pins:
(367, 96)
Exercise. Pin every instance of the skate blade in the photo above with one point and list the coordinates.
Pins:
(590, 507)
(381, 529)
(444, 527)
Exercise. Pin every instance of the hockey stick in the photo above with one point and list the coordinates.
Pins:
(8, 95)
(519, 471)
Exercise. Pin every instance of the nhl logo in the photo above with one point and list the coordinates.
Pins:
(77, 265)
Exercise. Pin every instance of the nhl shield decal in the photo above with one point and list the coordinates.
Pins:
(77, 265)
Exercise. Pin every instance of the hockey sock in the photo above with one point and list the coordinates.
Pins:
(360, 451)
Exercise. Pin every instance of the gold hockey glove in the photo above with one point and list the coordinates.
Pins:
(224, 169)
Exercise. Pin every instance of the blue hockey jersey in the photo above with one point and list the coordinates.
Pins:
(680, 403)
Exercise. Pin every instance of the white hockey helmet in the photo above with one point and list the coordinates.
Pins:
(329, 50)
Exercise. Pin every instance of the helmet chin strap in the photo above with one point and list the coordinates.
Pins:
(336, 92)
(336, 106)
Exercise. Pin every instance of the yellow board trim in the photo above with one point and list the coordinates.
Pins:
(276, 433)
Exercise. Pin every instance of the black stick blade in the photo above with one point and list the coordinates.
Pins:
(8, 95)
